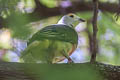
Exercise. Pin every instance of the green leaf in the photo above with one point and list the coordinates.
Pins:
(17, 24)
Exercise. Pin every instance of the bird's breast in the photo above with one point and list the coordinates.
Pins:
(59, 47)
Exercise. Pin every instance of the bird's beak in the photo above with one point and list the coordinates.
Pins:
(81, 20)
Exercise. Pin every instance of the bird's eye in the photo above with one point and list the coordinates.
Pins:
(71, 16)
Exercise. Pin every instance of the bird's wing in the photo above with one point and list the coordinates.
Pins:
(56, 32)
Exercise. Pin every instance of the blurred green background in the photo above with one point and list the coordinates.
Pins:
(19, 19)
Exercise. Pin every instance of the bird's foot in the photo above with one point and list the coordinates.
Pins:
(70, 61)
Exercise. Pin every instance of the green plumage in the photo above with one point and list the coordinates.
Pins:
(56, 32)
(50, 44)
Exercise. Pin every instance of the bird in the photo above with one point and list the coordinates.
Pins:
(53, 43)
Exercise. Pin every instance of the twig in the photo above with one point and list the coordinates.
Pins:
(94, 40)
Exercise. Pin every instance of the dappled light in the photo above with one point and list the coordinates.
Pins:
(60, 32)
(108, 31)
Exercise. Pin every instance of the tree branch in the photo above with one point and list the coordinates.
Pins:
(28, 71)
(94, 23)
(42, 11)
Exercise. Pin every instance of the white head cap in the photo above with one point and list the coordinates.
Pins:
(69, 19)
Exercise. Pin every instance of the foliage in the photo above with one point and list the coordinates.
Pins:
(16, 20)
(17, 24)
(49, 3)
(108, 28)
